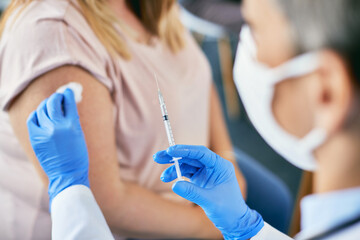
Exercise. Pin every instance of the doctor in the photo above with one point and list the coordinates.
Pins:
(298, 72)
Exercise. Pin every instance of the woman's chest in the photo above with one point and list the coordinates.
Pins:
(184, 81)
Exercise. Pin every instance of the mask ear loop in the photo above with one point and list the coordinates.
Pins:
(246, 39)
(297, 67)
(314, 139)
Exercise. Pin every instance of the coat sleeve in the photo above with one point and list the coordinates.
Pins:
(270, 233)
(76, 215)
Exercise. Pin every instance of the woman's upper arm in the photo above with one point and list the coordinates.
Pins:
(97, 120)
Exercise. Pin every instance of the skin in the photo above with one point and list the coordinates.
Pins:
(129, 209)
(326, 98)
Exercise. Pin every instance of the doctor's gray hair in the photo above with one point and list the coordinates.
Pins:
(326, 24)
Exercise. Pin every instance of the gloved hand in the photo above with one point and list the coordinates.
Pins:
(213, 187)
(58, 142)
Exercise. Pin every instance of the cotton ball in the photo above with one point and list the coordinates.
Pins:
(75, 87)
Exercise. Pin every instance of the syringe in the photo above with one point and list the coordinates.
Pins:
(169, 133)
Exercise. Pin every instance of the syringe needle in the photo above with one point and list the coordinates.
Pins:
(157, 83)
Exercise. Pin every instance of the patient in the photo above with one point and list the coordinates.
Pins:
(112, 48)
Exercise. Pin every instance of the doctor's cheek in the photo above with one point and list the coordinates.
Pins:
(291, 107)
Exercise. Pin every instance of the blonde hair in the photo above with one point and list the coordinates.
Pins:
(159, 17)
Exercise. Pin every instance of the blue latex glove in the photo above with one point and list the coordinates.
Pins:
(58, 142)
(213, 187)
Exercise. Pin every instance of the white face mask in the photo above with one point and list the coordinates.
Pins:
(256, 82)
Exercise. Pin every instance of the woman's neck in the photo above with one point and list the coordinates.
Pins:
(117, 4)
(124, 14)
(339, 164)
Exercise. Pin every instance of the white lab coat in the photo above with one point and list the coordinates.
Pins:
(76, 215)
(321, 213)
(269, 233)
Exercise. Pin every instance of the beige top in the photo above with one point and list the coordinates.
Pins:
(52, 33)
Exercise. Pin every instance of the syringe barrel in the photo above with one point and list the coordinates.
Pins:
(166, 120)
(169, 132)
(163, 109)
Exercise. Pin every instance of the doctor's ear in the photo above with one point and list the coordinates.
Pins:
(334, 92)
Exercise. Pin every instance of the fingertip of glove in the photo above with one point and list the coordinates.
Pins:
(172, 150)
(178, 186)
(69, 95)
(68, 91)
(166, 175)
(162, 157)
(164, 178)
(42, 105)
(57, 95)
(31, 120)
(178, 150)
(157, 156)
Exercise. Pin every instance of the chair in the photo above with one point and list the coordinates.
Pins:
(266, 193)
